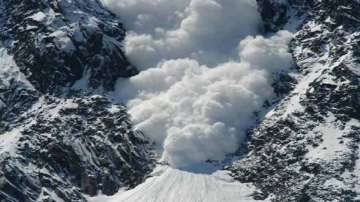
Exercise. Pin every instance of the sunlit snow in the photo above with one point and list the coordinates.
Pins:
(205, 71)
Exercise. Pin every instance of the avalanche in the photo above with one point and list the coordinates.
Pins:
(198, 92)
(170, 184)
(194, 109)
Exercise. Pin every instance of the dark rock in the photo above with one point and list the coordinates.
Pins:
(68, 149)
(326, 97)
(56, 42)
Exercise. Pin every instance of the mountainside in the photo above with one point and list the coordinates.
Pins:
(64, 148)
(62, 137)
(57, 144)
(306, 148)
(57, 42)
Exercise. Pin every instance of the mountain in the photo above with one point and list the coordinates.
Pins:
(306, 148)
(56, 43)
(63, 139)
(57, 143)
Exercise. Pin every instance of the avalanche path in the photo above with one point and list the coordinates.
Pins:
(173, 185)
(198, 92)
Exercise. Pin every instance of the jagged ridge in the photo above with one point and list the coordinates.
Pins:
(56, 143)
(57, 42)
(306, 149)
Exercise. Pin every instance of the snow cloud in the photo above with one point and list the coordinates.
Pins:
(205, 73)
(205, 30)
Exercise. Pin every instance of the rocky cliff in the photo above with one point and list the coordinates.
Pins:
(306, 148)
(58, 144)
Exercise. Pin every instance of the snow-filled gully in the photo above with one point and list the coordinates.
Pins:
(200, 84)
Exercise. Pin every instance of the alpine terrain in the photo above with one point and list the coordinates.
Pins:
(197, 101)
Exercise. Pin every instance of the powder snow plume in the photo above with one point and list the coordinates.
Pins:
(204, 73)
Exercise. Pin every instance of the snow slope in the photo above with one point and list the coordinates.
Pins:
(174, 185)
(9, 71)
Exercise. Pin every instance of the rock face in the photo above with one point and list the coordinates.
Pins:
(65, 148)
(57, 144)
(306, 148)
(56, 42)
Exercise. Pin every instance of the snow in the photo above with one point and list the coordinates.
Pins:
(302, 87)
(357, 174)
(194, 112)
(207, 31)
(294, 20)
(62, 41)
(8, 141)
(174, 185)
(47, 195)
(330, 147)
(334, 145)
(351, 177)
(9, 71)
(65, 104)
(192, 101)
(83, 82)
(39, 16)
(205, 71)
(315, 72)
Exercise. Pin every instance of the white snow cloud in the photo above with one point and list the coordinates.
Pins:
(205, 30)
(205, 73)
(195, 112)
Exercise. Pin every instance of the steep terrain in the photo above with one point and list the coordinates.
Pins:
(57, 144)
(57, 42)
(64, 148)
(61, 141)
(169, 184)
(306, 148)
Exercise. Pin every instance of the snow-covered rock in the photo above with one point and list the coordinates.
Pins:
(65, 148)
(58, 144)
(305, 146)
(57, 42)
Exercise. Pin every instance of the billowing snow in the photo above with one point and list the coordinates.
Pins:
(205, 73)
(194, 112)
(173, 185)
(205, 30)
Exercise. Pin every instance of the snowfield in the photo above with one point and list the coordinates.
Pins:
(174, 185)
